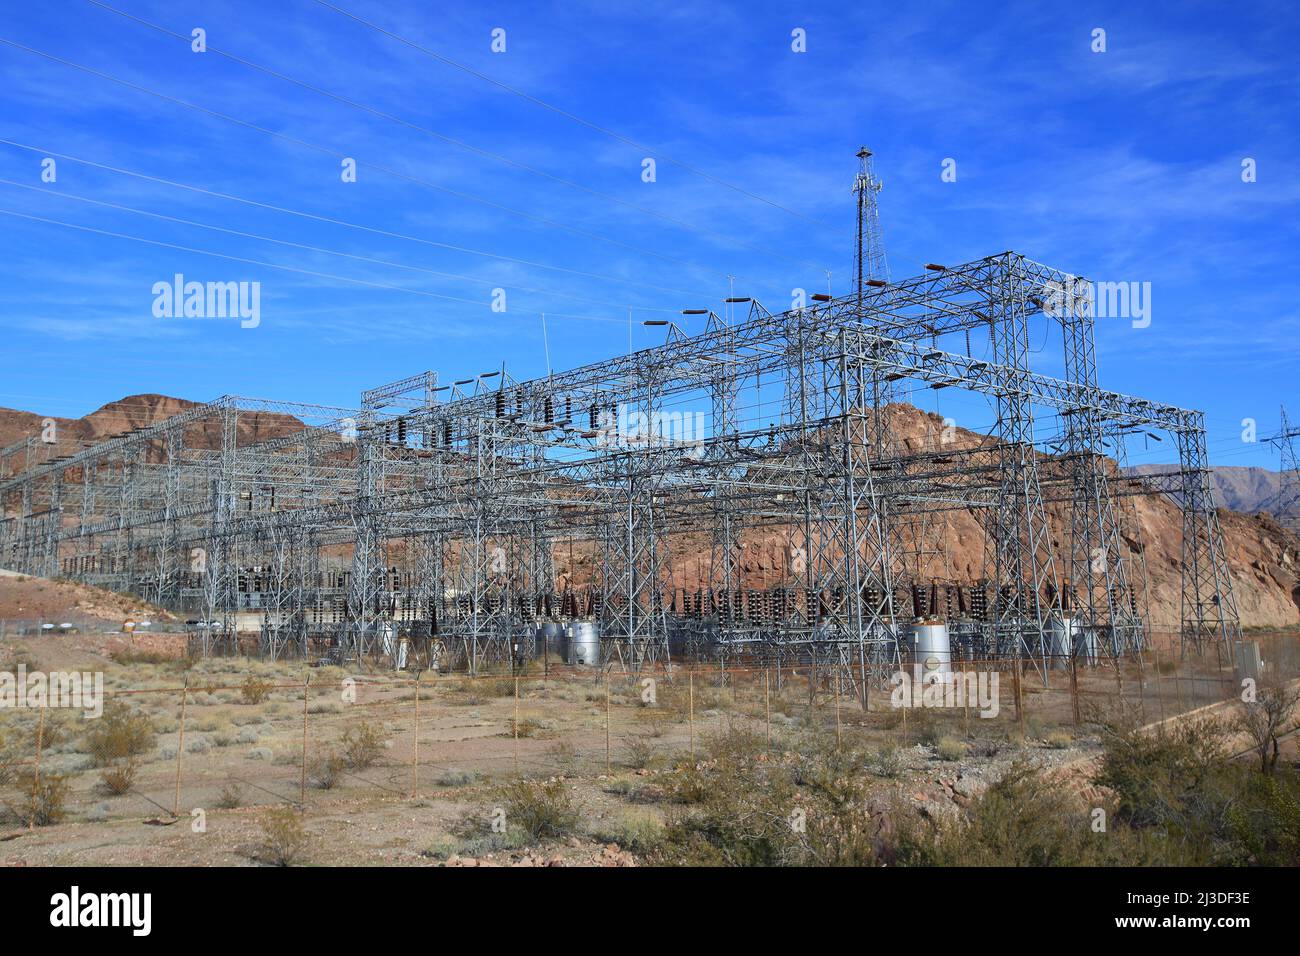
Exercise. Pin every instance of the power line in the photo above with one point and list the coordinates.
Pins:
(343, 222)
(340, 155)
(269, 265)
(566, 114)
(320, 249)
(461, 144)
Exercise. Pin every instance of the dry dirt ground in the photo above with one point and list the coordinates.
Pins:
(410, 808)
(433, 787)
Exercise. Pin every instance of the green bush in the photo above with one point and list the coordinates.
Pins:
(543, 809)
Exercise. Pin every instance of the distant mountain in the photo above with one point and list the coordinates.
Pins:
(1248, 490)
(126, 414)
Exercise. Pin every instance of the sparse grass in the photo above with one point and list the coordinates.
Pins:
(232, 796)
(128, 656)
(1059, 740)
(887, 761)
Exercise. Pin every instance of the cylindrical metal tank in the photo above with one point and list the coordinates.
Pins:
(1085, 644)
(550, 637)
(1062, 636)
(930, 650)
(582, 644)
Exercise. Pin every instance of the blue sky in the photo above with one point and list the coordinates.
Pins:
(1123, 166)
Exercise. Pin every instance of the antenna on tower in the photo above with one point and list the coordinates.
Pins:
(869, 265)
(870, 260)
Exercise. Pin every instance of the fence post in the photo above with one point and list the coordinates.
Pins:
(1074, 686)
(837, 709)
(302, 783)
(517, 723)
(36, 778)
(180, 747)
(607, 762)
(965, 697)
(415, 743)
(1155, 663)
(767, 702)
(1020, 704)
(690, 704)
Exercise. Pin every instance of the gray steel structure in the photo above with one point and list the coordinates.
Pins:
(437, 512)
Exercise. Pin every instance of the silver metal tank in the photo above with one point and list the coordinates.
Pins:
(582, 644)
(1085, 644)
(550, 637)
(1062, 637)
(930, 650)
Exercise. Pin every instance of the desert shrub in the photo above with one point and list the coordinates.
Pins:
(887, 761)
(639, 832)
(127, 656)
(283, 838)
(949, 748)
(325, 770)
(745, 807)
(361, 745)
(41, 801)
(1024, 819)
(1175, 781)
(119, 778)
(526, 727)
(1264, 828)
(640, 752)
(451, 777)
(254, 690)
(1059, 740)
(542, 809)
(119, 735)
(232, 796)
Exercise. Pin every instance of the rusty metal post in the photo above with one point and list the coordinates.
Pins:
(180, 748)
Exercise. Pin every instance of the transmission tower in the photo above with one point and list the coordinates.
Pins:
(1287, 511)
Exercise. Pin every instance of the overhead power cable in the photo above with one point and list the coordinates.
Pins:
(461, 144)
(343, 222)
(319, 249)
(270, 265)
(330, 151)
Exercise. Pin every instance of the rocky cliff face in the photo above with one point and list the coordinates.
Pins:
(1263, 557)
